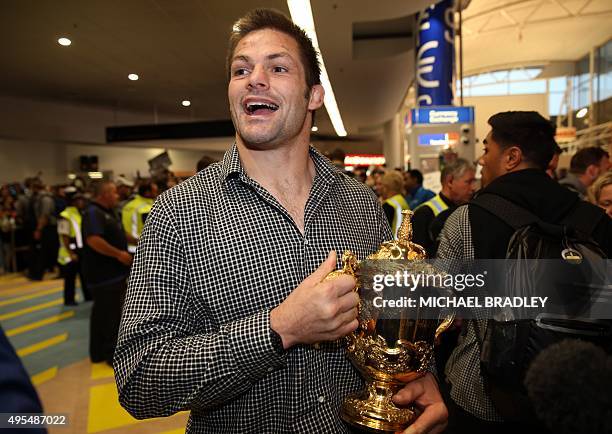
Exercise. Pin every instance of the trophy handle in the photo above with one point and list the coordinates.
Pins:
(350, 263)
(444, 325)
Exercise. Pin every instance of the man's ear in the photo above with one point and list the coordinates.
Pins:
(591, 171)
(513, 157)
(316, 97)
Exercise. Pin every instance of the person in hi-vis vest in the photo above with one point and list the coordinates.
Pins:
(391, 192)
(71, 243)
(458, 181)
(135, 212)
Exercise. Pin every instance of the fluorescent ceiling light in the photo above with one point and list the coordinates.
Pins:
(186, 103)
(133, 77)
(301, 14)
(582, 112)
(64, 41)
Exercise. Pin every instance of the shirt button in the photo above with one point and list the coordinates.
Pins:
(306, 242)
(270, 369)
(317, 346)
(321, 399)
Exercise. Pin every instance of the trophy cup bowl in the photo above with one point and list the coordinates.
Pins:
(388, 352)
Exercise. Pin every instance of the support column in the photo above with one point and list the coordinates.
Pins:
(393, 147)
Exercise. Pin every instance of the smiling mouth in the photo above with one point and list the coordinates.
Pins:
(260, 108)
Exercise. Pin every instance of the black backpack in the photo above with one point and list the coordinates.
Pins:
(509, 346)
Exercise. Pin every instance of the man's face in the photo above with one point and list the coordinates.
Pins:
(595, 170)
(604, 165)
(110, 197)
(491, 160)
(462, 188)
(409, 182)
(267, 90)
(154, 191)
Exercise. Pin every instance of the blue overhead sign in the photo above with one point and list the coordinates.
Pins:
(441, 115)
(435, 55)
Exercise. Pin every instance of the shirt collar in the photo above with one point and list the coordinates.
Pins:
(326, 171)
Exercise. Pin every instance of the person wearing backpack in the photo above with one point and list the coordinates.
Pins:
(517, 151)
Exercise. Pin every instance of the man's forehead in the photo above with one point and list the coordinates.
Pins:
(266, 42)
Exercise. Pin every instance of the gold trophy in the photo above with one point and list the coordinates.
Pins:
(388, 352)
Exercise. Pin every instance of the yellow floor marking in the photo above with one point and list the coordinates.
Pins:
(31, 309)
(11, 277)
(28, 289)
(101, 370)
(30, 296)
(44, 376)
(104, 410)
(39, 346)
(43, 322)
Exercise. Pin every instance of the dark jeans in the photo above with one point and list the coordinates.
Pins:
(105, 317)
(69, 273)
(43, 252)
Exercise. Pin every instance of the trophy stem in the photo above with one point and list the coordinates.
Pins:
(374, 410)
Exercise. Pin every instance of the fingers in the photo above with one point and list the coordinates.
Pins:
(431, 421)
(410, 393)
(348, 302)
(324, 269)
(342, 285)
(425, 395)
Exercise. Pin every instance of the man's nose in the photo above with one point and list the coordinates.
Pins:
(258, 79)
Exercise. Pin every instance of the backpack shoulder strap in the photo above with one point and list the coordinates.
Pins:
(583, 217)
(512, 214)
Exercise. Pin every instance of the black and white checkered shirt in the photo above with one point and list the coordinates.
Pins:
(216, 254)
(463, 366)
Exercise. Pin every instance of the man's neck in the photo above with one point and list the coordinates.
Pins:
(286, 172)
(286, 166)
(102, 204)
(584, 179)
(446, 192)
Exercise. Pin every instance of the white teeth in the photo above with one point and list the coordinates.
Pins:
(253, 105)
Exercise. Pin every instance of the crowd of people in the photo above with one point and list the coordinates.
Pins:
(90, 231)
(228, 312)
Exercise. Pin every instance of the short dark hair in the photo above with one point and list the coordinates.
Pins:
(98, 187)
(259, 19)
(586, 157)
(145, 186)
(416, 175)
(204, 162)
(530, 131)
(337, 155)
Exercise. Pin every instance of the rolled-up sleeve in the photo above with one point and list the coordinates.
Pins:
(163, 363)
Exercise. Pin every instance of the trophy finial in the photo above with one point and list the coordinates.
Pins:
(404, 233)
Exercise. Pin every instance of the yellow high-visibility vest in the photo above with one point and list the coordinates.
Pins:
(70, 220)
(436, 204)
(132, 216)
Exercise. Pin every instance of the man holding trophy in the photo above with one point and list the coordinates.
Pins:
(229, 313)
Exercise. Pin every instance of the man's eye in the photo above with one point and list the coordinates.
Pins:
(239, 71)
(279, 69)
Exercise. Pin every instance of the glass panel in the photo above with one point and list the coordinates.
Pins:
(557, 84)
(528, 87)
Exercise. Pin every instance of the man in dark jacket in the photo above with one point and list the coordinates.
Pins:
(516, 154)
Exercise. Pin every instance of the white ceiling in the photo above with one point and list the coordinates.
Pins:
(178, 49)
(502, 33)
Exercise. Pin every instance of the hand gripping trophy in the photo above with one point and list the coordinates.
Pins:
(388, 350)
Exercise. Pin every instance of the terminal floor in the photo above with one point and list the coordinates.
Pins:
(52, 342)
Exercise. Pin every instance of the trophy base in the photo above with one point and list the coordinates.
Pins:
(373, 409)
